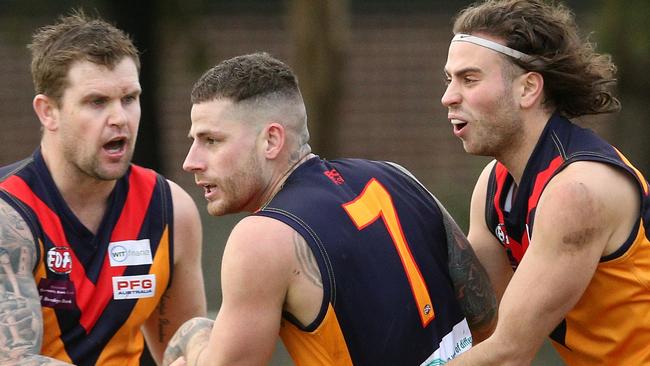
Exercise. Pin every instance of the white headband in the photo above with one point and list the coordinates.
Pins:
(460, 37)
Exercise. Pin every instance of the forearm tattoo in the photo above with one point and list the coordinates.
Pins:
(163, 320)
(307, 261)
(471, 282)
(21, 322)
(189, 341)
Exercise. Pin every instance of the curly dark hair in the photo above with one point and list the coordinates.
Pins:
(246, 77)
(576, 78)
(75, 37)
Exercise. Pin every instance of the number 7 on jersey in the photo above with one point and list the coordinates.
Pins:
(375, 202)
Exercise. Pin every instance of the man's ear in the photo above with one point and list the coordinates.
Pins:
(47, 111)
(275, 138)
(532, 90)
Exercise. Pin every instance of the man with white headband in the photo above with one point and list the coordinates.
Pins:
(559, 218)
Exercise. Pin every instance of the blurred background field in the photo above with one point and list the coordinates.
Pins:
(371, 73)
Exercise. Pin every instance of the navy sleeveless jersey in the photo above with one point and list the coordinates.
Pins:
(381, 247)
(610, 325)
(96, 289)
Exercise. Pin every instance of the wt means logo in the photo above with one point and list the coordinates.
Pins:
(129, 252)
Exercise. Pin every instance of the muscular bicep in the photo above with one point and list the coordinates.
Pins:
(471, 282)
(21, 323)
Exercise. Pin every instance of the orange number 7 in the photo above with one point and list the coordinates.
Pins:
(375, 202)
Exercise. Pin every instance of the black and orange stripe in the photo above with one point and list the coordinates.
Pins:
(98, 329)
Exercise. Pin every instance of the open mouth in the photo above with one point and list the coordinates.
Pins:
(458, 124)
(208, 188)
(115, 146)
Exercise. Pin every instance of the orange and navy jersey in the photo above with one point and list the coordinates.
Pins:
(381, 246)
(96, 289)
(610, 325)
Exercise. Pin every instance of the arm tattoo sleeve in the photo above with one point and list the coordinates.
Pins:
(21, 322)
(471, 282)
(189, 341)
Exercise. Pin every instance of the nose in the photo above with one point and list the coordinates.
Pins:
(451, 96)
(118, 116)
(192, 162)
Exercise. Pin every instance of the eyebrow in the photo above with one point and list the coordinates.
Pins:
(203, 133)
(93, 95)
(98, 94)
(465, 70)
(135, 91)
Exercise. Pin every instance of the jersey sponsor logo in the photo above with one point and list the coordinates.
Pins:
(59, 260)
(57, 294)
(334, 176)
(129, 252)
(452, 345)
(134, 287)
(501, 234)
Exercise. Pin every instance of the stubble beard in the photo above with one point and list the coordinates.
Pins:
(238, 190)
(498, 130)
(90, 165)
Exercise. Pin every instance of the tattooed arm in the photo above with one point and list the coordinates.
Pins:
(191, 337)
(21, 322)
(471, 282)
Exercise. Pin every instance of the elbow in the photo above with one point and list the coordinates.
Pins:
(507, 351)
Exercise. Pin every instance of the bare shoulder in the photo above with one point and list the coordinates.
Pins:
(485, 173)
(183, 202)
(480, 192)
(479, 234)
(590, 202)
(261, 236)
(258, 248)
(188, 233)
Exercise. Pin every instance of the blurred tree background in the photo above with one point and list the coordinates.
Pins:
(370, 72)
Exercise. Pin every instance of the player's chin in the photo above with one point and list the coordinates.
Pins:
(113, 171)
(217, 208)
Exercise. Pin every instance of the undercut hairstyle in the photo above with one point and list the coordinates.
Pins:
(263, 86)
(246, 77)
(577, 80)
(75, 37)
